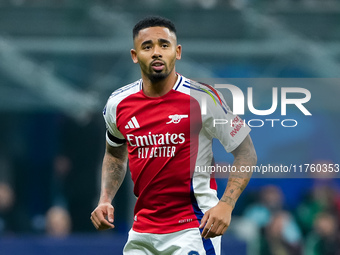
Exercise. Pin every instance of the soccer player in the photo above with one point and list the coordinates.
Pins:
(164, 124)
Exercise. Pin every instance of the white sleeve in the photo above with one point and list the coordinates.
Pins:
(113, 136)
(222, 124)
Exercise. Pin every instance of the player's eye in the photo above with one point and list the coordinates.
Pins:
(164, 45)
(146, 47)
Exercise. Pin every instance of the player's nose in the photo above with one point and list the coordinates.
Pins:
(156, 52)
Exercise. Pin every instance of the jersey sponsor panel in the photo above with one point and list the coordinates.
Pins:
(155, 139)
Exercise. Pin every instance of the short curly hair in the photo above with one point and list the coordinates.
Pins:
(153, 21)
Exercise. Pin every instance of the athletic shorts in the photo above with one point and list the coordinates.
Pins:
(184, 242)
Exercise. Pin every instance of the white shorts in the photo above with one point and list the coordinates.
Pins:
(184, 242)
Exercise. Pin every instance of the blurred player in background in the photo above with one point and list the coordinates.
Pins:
(157, 123)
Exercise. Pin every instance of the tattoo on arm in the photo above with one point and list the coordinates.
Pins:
(244, 155)
(229, 201)
(113, 171)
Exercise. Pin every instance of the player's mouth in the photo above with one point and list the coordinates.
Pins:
(157, 65)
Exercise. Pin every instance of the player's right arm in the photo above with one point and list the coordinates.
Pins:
(113, 173)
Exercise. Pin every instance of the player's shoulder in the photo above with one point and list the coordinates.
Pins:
(199, 89)
(119, 94)
(127, 90)
(186, 82)
(197, 86)
(206, 93)
(190, 86)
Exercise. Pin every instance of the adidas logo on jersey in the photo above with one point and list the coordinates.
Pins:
(133, 123)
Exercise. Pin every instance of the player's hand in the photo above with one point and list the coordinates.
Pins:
(102, 216)
(215, 221)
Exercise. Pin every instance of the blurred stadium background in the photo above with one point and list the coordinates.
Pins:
(60, 61)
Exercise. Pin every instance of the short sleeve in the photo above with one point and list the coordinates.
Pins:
(221, 123)
(113, 136)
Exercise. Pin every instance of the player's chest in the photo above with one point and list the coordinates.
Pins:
(155, 118)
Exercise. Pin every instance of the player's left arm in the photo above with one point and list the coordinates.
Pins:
(216, 220)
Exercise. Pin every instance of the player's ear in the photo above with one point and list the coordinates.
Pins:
(134, 56)
(178, 52)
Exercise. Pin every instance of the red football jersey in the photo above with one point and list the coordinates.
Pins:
(167, 138)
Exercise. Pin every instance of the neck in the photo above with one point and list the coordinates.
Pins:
(159, 88)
